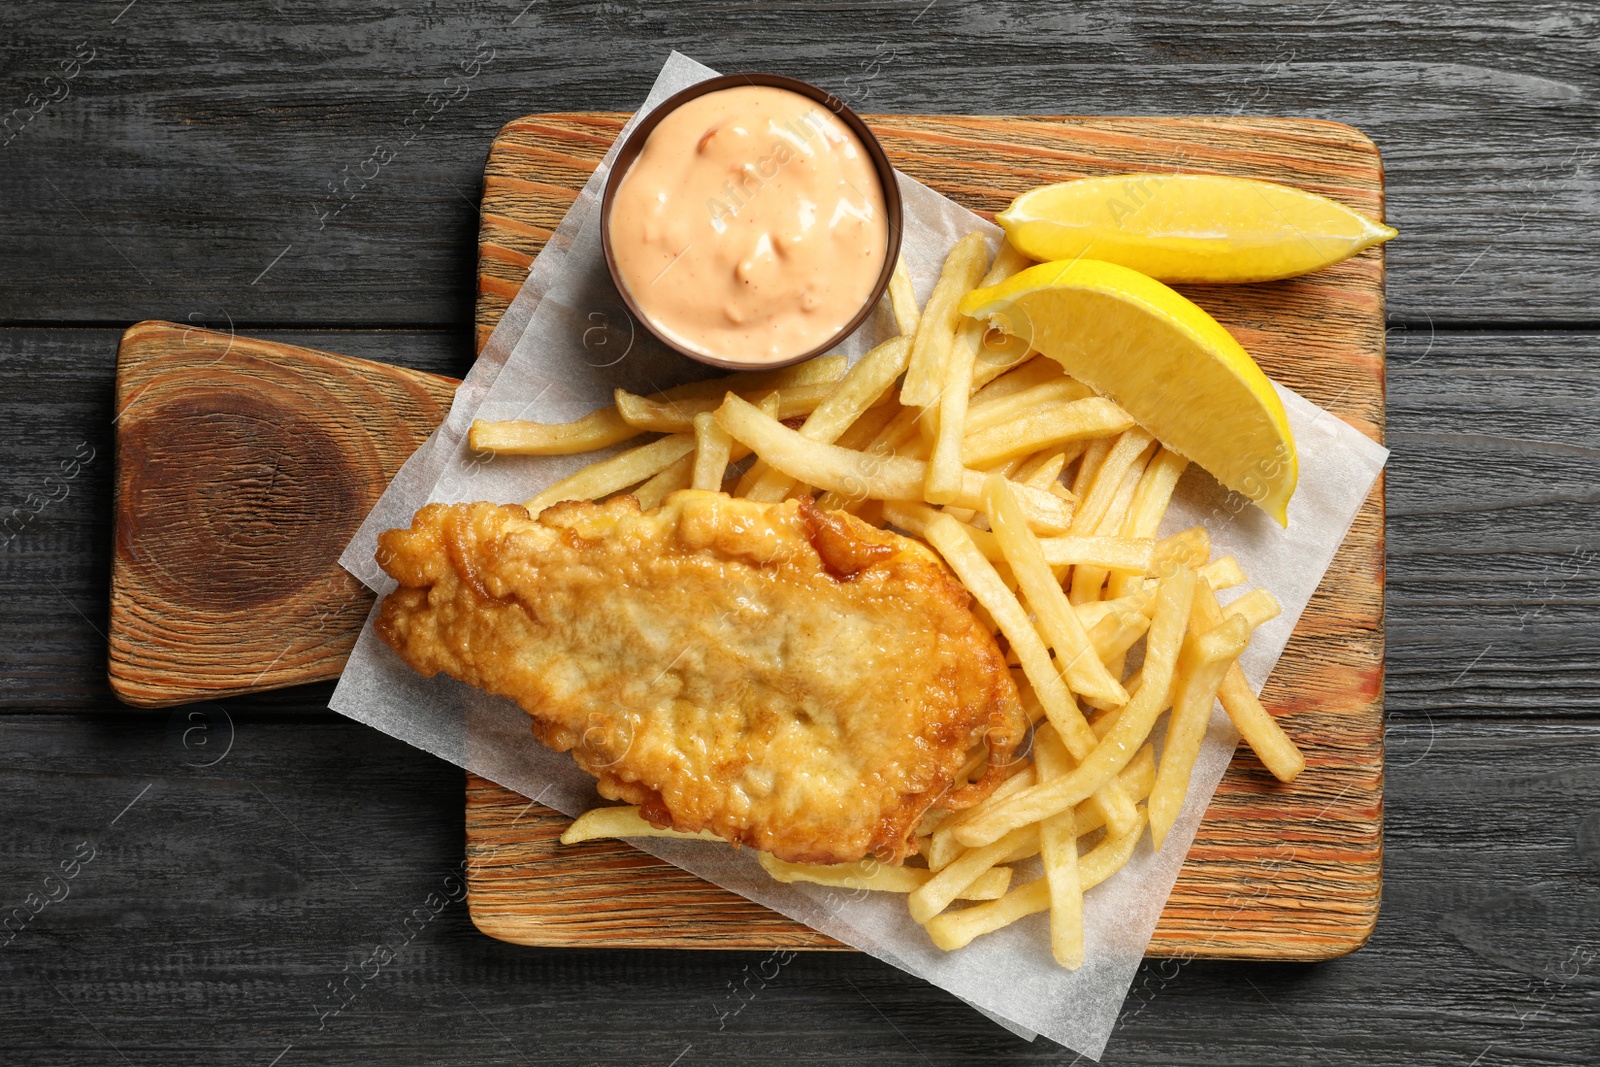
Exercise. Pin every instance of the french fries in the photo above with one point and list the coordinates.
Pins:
(1043, 470)
(1191, 547)
(1058, 845)
(1095, 612)
(1026, 375)
(1113, 636)
(598, 429)
(1086, 581)
(945, 534)
(646, 413)
(863, 474)
(615, 474)
(903, 300)
(1137, 779)
(1108, 479)
(1223, 572)
(880, 877)
(946, 466)
(711, 447)
(1089, 465)
(1260, 730)
(862, 387)
(680, 473)
(1149, 504)
(1048, 427)
(953, 929)
(936, 328)
(1173, 599)
(1109, 856)
(937, 893)
(606, 427)
(942, 845)
(957, 929)
(1154, 493)
(1255, 607)
(1085, 671)
(998, 356)
(1044, 499)
(1058, 551)
(1204, 661)
(622, 821)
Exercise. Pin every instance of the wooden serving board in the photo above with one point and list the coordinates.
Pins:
(243, 469)
(1276, 872)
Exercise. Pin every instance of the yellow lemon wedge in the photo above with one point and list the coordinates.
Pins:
(1189, 227)
(1170, 365)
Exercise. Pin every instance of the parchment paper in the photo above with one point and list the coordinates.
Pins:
(563, 346)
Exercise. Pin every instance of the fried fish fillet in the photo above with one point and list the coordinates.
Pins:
(788, 678)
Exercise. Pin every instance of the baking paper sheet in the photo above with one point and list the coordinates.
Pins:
(564, 345)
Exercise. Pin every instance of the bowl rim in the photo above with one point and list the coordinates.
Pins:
(634, 143)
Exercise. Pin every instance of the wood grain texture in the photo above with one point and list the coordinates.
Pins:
(57, 402)
(201, 143)
(1492, 531)
(222, 904)
(243, 468)
(1494, 593)
(1276, 872)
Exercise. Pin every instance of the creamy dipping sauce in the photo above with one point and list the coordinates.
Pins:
(752, 227)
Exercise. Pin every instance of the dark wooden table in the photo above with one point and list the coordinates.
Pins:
(231, 864)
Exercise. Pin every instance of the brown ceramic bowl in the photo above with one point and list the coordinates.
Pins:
(891, 198)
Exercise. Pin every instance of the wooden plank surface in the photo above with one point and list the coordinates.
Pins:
(1276, 872)
(243, 469)
(58, 403)
(1491, 515)
(195, 151)
(1491, 109)
(223, 903)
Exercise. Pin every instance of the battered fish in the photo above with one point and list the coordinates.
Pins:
(788, 678)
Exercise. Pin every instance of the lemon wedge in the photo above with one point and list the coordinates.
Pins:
(1189, 227)
(1170, 365)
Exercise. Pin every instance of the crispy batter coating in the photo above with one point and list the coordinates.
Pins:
(788, 678)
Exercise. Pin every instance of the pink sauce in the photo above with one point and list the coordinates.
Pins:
(752, 227)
